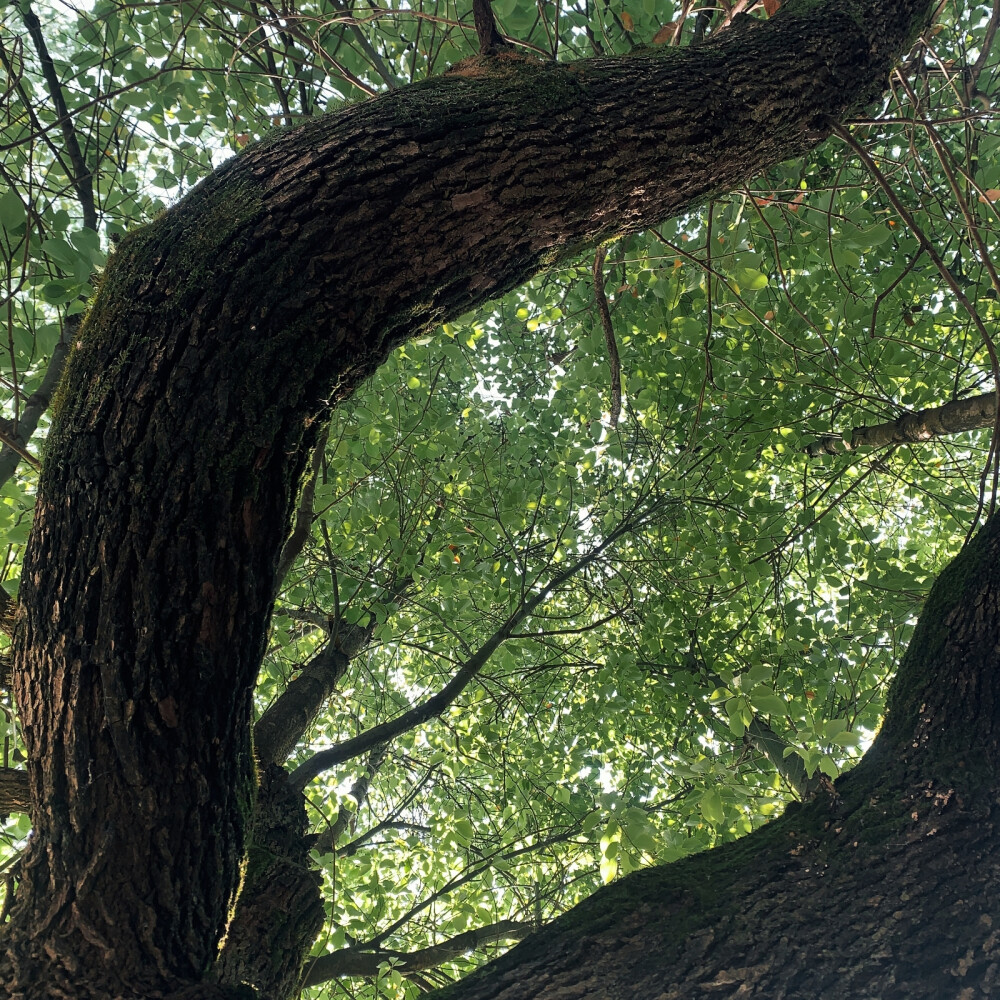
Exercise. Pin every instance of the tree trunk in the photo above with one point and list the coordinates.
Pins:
(221, 335)
(885, 890)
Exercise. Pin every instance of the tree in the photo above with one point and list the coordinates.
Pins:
(194, 398)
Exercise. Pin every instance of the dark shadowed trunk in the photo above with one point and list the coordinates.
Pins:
(221, 335)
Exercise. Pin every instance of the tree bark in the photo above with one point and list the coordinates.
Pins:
(221, 334)
(13, 791)
(279, 911)
(350, 962)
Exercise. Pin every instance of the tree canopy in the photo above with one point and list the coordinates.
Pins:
(657, 434)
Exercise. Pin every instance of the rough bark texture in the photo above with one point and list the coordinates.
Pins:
(885, 890)
(14, 795)
(279, 912)
(279, 729)
(220, 335)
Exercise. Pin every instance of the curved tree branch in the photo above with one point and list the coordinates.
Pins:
(897, 865)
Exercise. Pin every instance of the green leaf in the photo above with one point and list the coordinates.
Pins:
(12, 213)
(59, 292)
(711, 807)
(769, 703)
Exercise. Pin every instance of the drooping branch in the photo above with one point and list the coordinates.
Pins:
(956, 417)
(368, 964)
(17, 434)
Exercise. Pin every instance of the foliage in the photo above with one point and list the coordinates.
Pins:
(721, 579)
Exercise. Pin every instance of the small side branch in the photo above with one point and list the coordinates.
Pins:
(353, 962)
(346, 820)
(15, 444)
(433, 706)
(974, 413)
(791, 767)
(490, 39)
(609, 338)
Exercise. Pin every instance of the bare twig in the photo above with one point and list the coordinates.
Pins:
(614, 360)
(928, 248)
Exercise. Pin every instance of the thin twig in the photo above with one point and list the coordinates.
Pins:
(82, 180)
(614, 360)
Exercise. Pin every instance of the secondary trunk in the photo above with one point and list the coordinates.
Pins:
(887, 890)
(221, 334)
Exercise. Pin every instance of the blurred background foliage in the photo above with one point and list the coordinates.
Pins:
(695, 604)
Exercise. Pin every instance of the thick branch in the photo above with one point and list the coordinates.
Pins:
(281, 726)
(791, 767)
(956, 417)
(355, 962)
(279, 911)
(490, 39)
(896, 865)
